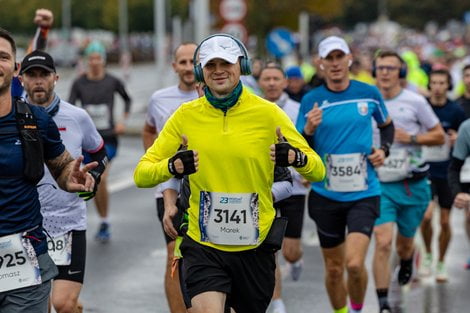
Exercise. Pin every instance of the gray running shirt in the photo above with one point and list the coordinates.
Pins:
(161, 106)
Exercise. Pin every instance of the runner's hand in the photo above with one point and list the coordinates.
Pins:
(184, 162)
(306, 183)
(168, 215)
(314, 118)
(284, 154)
(452, 136)
(79, 179)
(87, 195)
(119, 128)
(462, 200)
(44, 18)
(377, 157)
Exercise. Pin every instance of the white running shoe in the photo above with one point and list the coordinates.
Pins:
(296, 269)
(426, 266)
(441, 273)
(278, 306)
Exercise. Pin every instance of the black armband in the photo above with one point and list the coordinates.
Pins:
(453, 176)
(187, 157)
(282, 155)
(101, 157)
(387, 133)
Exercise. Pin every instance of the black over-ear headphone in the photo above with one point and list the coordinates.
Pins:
(245, 63)
(382, 54)
(442, 72)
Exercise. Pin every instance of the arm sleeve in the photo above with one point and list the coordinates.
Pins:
(314, 170)
(125, 96)
(386, 137)
(152, 168)
(453, 175)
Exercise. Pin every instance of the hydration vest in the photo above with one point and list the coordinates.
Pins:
(31, 142)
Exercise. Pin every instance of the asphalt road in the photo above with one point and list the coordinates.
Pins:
(126, 275)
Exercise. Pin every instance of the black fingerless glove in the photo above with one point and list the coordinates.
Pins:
(282, 155)
(187, 157)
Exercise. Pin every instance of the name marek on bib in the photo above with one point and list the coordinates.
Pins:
(229, 218)
(60, 249)
(19, 265)
(346, 172)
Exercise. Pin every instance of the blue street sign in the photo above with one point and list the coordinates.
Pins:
(280, 42)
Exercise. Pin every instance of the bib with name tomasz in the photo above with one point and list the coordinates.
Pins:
(19, 265)
(229, 218)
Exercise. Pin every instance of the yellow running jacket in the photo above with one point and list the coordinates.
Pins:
(234, 161)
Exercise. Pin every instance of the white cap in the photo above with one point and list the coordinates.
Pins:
(330, 44)
(222, 47)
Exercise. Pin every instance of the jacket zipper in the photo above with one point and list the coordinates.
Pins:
(225, 122)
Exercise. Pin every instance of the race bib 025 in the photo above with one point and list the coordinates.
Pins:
(19, 265)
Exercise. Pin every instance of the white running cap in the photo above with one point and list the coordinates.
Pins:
(330, 44)
(222, 47)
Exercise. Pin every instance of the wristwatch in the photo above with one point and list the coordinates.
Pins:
(413, 140)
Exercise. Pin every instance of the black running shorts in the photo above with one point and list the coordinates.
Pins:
(246, 277)
(334, 218)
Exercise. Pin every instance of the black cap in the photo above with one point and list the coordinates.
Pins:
(37, 59)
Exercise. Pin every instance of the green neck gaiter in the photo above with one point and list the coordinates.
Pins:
(224, 103)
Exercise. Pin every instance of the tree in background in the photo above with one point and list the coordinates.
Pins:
(15, 15)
